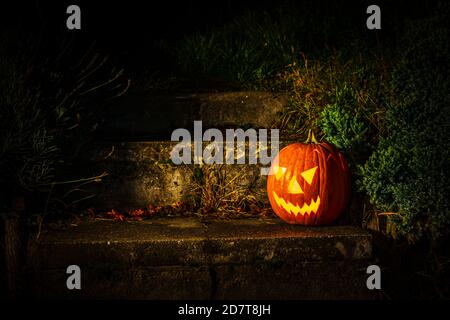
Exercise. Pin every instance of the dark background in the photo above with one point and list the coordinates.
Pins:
(130, 30)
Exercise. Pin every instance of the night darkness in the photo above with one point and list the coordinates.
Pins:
(91, 120)
(130, 32)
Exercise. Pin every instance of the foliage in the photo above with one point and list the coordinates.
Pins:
(28, 150)
(251, 49)
(245, 50)
(358, 108)
(409, 171)
(308, 89)
(46, 112)
(326, 93)
(344, 127)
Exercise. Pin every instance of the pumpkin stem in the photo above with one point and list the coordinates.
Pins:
(311, 137)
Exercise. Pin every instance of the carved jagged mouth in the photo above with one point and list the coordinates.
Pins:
(296, 209)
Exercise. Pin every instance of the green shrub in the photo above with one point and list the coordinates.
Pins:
(343, 127)
(409, 172)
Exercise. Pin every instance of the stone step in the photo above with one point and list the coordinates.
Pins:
(144, 116)
(142, 173)
(186, 258)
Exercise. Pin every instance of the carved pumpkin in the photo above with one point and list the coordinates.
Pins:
(309, 183)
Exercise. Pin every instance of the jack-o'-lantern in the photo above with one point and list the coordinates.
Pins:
(309, 183)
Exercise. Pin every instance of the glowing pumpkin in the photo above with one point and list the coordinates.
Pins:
(309, 183)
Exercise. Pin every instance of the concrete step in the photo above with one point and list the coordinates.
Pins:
(186, 258)
(142, 115)
(142, 173)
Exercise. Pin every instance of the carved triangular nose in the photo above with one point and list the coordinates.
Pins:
(294, 187)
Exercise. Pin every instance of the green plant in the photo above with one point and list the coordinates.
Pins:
(330, 92)
(408, 173)
(245, 51)
(345, 131)
(255, 46)
(344, 127)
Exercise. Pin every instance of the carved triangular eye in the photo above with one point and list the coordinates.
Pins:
(278, 172)
(308, 175)
(294, 187)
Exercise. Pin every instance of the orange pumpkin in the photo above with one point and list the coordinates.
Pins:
(309, 183)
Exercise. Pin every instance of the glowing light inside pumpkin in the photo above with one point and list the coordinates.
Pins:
(294, 187)
(278, 171)
(296, 209)
(308, 175)
(309, 183)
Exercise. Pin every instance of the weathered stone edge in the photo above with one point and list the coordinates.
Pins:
(201, 251)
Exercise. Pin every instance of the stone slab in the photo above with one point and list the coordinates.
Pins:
(144, 115)
(186, 258)
(188, 241)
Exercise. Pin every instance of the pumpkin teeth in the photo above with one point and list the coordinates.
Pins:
(295, 209)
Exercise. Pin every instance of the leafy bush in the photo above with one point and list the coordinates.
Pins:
(343, 128)
(409, 171)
